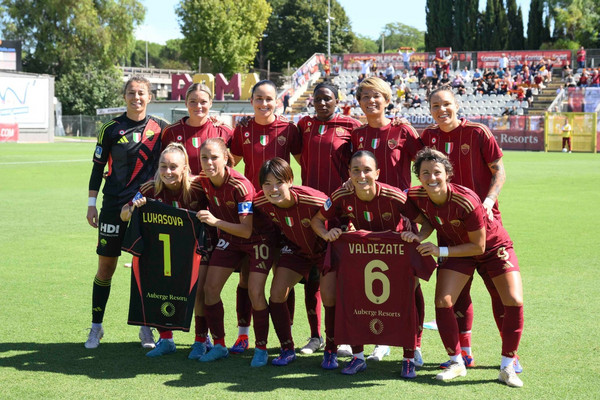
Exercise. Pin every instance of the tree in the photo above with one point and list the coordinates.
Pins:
(77, 41)
(363, 44)
(138, 56)
(171, 55)
(397, 34)
(535, 25)
(83, 90)
(225, 31)
(495, 25)
(298, 28)
(60, 35)
(466, 16)
(515, 41)
(576, 21)
(439, 16)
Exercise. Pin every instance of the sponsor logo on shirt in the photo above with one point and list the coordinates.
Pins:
(167, 309)
(247, 141)
(123, 140)
(327, 205)
(109, 229)
(222, 244)
(376, 326)
(465, 149)
(286, 250)
(98, 152)
(261, 265)
(245, 207)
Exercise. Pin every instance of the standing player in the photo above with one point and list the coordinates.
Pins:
(265, 136)
(477, 160)
(242, 233)
(467, 239)
(130, 145)
(174, 186)
(371, 206)
(291, 209)
(394, 146)
(326, 151)
(192, 131)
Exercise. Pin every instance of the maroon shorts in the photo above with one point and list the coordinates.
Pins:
(495, 262)
(229, 255)
(298, 263)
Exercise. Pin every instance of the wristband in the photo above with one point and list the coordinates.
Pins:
(443, 252)
(91, 202)
(489, 202)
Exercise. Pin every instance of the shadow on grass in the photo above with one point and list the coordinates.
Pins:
(127, 360)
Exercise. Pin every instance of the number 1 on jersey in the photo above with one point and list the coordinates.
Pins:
(166, 239)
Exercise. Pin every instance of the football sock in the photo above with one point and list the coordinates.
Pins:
(243, 307)
(512, 328)
(243, 330)
(261, 327)
(280, 316)
(497, 306)
(313, 303)
(408, 353)
(201, 328)
(420, 304)
(100, 293)
(359, 349)
(214, 316)
(165, 333)
(291, 304)
(506, 361)
(465, 341)
(330, 329)
(448, 329)
(360, 355)
(457, 359)
(463, 308)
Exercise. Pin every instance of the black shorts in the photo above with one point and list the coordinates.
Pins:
(111, 231)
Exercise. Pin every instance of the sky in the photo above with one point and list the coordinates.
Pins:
(161, 23)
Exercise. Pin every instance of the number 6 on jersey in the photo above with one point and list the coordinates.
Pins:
(374, 271)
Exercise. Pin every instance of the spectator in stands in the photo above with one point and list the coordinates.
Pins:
(445, 79)
(518, 66)
(510, 110)
(416, 101)
(529, 96)
(406, 56)
(567, 70)
(581, 57)
(476, 74)
(389, 73)
(570, 81)
(326, 69)
(583, 79)
(366, 67)
(595, 78)
(419, 71)
(503, 62)
(286, 103)
(465, 74)
(458, 81)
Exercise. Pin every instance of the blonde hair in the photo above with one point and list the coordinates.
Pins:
(377, 84)
(198, 87)
(186, 180)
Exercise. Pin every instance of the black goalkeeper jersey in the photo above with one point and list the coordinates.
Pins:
(131, 149)
(167, 244)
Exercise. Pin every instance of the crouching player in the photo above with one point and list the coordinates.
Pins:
(467, 240)
(291, 209)
(375, 207)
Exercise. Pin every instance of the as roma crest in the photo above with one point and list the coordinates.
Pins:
(386, 216)
(465, 149)
(230, 204)
(281, 140)
(339, 131)
(392, 143)
(305, 222)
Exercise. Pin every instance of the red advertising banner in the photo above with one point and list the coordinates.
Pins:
(352, 61)
(442, 52)
(9, 132)
(490, 59)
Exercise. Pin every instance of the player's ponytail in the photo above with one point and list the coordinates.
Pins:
(186, 181)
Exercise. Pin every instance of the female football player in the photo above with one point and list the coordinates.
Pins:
(477, 159)
(130, 144)
(394, 146)
(371, 206)
(172, 185)
(467, 239)
(291, 209)
(242, 233)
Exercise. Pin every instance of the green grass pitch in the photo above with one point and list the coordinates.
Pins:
(550, 206)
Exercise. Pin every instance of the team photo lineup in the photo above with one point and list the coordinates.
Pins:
(355, 233)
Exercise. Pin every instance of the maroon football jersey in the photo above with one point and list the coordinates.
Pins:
(394, 148)
(294, 222)
(192, 137)
(462, 213)
(375, 288)
(232, 199)
(389, 209)
(258, 143)
(326, 151)
(470, 148)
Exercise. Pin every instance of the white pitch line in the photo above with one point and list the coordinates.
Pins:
(41, 162)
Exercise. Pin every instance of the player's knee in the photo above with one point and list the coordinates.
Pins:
(443, 302)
